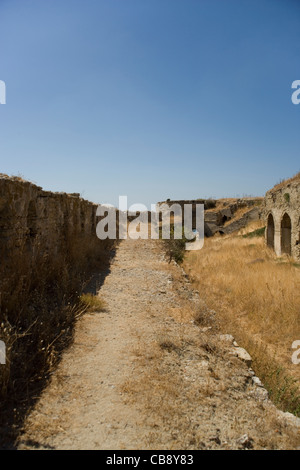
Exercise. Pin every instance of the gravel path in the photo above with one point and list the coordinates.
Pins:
(144, 375)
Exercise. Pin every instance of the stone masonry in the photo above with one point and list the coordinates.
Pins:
(282, 216)
(32, 219)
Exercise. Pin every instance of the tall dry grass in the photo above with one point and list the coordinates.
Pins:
(40, 301)
(257, 298)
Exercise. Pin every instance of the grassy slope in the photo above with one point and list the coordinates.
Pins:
(257, 299)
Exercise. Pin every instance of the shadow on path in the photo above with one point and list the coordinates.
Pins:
(15, 409)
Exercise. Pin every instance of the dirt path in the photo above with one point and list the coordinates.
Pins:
(145, 375)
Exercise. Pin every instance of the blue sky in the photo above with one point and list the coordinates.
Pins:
(152, 99)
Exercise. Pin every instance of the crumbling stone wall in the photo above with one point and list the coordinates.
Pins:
(46, 239)
(30, 216)
(49, 253)
(220, 215)
(282, 216)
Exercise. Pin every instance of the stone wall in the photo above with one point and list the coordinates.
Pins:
(49, 255)
(48, 245)
(282, 216)
(32, 218)
(220, 215)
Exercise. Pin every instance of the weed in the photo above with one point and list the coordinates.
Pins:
(175, 248)
(168, 345)
(256, 233)
(92, 303)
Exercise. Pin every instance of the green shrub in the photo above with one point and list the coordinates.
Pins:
(256, 233)
(175, 248)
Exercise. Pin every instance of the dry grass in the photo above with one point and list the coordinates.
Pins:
(257, 298)
(193, 394)
(283, 183)
(39, 306)
(191, 389)
(168, 392)
(92, 303)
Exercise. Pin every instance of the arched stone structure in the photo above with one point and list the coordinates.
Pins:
(282, 216)
(286, 235)
(270, 229)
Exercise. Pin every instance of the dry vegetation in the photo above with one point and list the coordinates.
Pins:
(92, 303)
(40, 303)
(257, 299)
(185, 406)
(152, 373)
(284, 182)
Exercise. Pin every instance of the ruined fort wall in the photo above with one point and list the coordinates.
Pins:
(220, 215)
(48, 245)
(49, 255)
(31, 217)
(282, 207)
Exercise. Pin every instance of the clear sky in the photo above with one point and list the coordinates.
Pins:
(152, 99)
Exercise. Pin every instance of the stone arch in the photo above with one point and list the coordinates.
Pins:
(270, 231)
(286, 234)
